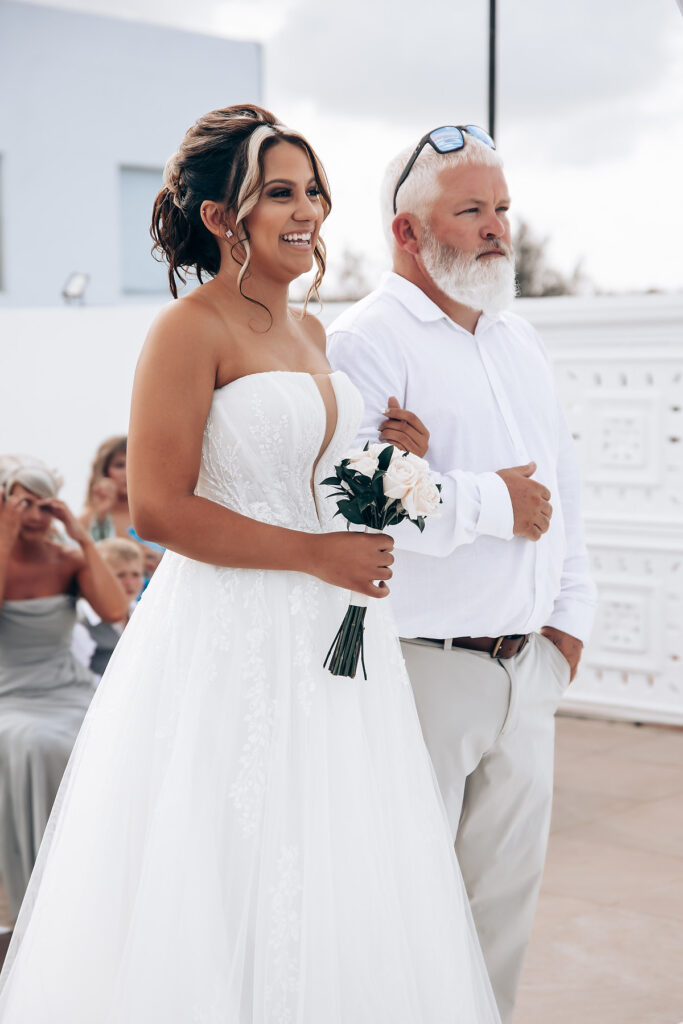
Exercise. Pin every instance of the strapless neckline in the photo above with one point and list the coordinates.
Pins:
(268, 373)
(265, 442)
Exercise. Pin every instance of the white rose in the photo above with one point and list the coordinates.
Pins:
(399, 478)
(423, 499)
(362, 461)
(420, 464)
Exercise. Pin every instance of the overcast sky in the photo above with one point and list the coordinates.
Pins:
(589, 123)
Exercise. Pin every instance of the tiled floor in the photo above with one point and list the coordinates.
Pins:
(607, 945)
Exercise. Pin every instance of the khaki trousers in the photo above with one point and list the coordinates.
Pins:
(489, 727)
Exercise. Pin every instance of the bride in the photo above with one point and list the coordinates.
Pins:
(241, 837)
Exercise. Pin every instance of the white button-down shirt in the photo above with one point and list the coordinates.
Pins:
(489, 402)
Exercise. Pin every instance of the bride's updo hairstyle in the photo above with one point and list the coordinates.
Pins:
(221, 159)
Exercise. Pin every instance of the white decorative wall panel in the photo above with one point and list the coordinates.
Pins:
(619, 373)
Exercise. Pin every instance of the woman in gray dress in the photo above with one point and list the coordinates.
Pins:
(44, 690)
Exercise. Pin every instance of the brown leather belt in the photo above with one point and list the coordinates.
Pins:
(495, 646)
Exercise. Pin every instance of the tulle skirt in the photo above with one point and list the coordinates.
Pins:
(243, 838)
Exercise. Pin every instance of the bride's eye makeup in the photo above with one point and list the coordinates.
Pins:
(286, 191)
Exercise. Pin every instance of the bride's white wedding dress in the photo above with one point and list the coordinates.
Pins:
(241, 837)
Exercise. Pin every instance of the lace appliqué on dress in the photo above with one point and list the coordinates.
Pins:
(304, 608)
(284, 939)
(249, 786)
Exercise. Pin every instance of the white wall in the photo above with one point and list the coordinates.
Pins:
(619, 372)
(88, 95)
(65, 382)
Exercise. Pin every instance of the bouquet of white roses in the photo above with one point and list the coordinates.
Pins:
(376, 486)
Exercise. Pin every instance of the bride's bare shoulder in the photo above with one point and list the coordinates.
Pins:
(314, 331)
(194, 315)
(189, 333)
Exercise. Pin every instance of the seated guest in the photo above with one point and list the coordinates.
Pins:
(125, 559)
(44, 690)
(106, 513)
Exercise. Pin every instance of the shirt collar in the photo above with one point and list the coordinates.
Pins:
(422, 307)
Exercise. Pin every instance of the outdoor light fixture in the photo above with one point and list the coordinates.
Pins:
(74, 289)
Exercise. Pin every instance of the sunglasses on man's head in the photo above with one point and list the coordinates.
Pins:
(446, 139)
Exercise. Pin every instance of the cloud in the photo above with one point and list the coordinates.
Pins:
(373, 61)
(559, 57)
(582, 66)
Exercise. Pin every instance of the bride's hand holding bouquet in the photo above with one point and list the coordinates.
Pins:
(376, 487)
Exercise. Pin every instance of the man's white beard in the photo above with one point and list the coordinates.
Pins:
(488, 285)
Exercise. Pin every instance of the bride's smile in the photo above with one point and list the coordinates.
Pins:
(285, 222)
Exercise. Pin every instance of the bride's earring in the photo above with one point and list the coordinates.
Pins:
(228, 233)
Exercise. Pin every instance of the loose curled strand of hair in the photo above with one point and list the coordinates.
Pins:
(261, 140)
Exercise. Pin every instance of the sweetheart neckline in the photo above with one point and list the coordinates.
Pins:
(266, 373)
(312, 377)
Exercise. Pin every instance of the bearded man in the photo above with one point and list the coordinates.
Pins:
(494, 599)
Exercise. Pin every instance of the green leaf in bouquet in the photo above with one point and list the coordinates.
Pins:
(396, 514)
(420, 523)
(365, 500)
(330, 481)
(350, 511)
(378, 490)
(355, 487)
(385, 458)
(347, 474)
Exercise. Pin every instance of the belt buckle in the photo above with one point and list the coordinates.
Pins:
(513, 636)
(497, 646)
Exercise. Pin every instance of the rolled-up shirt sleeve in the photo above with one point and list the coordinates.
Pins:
(474, 504)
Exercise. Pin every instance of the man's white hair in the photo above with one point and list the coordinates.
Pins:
(419, 190)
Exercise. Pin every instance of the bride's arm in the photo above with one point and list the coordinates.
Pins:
(174, 384)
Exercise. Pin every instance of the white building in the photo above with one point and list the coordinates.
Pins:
(91, 109)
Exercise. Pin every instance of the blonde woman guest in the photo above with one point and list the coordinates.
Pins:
(44, 690)
(125, 559)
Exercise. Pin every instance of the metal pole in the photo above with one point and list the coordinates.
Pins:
(492, 68)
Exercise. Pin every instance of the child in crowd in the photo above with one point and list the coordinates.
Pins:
(126, 561)
(106, 513)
